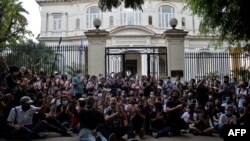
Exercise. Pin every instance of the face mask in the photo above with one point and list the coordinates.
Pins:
(175, 97)
(190, 96)
(140, 106)
(64, 102)
(112, 104)
(228, 113)
(154, 110)
(165, 96)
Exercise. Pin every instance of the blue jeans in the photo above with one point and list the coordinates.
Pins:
(161, 132)
(87, 135)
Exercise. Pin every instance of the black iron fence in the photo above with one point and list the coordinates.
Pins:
(67, 59)
(200, 65)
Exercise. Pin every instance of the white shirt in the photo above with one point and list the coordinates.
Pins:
(185, 116)
(242, 93)
(226, 120)
(22, 117)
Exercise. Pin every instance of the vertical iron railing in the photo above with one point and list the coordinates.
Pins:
(36, 57)
(200, 65)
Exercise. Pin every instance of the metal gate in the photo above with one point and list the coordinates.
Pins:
(136, 60)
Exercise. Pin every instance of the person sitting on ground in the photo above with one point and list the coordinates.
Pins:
(20, 120)
(203, 125)
(116, 122)
(227, 121)
(90, 118)
(158, 122)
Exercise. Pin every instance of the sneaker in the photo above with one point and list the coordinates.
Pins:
(112, 137)
(170, 134)
(141, 133)
(40, 136)
(184, 131)
(98, 138)
(154, 135)
(133, 140)
(66, 134)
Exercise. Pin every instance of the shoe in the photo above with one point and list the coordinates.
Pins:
(40, 136)
(154, 135)
(98, 138)
(112, 137)
(141, 133)
(133, 140)
(170, 134)
(184, 131)
(66, 134)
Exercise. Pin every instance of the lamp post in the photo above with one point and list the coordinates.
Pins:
(173, 22)
(97, 23)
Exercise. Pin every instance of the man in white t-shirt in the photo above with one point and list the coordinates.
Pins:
(20, 119)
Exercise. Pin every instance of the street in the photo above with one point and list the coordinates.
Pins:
(185, 137)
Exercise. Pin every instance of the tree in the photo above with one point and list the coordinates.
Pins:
(226, 19)
(12, 22)
(32, 55)
(109, 4)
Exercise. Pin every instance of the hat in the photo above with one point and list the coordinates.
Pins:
(26, 99)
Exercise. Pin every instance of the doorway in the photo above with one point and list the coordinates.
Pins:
(131, 65)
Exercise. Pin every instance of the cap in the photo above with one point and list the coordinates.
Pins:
(26, 99)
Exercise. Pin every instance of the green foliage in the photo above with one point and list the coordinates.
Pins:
(32, 55)
(227, 19)
(242, 73)
(12, 22)
(109, 4)
(212, 75)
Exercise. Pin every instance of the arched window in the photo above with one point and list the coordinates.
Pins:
(77, 24)
(183, 22)
(92, 13)
(150, 22)
(165, 13)
(130, 16)
(111, 20)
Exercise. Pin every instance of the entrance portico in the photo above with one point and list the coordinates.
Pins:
(140, 51)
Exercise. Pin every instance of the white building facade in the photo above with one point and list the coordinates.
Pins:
(69, 19)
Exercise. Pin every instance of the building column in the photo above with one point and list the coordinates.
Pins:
(144, 64)
(96, 51)
(175, 50)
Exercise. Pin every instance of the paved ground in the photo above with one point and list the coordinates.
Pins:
(185, 137)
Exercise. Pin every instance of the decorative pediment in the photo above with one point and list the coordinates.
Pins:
(131, 31)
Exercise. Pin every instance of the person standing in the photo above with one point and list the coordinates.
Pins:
(77, 82)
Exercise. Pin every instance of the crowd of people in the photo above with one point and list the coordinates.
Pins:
(108, 108)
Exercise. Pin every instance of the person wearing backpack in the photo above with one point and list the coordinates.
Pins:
(20, 120)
